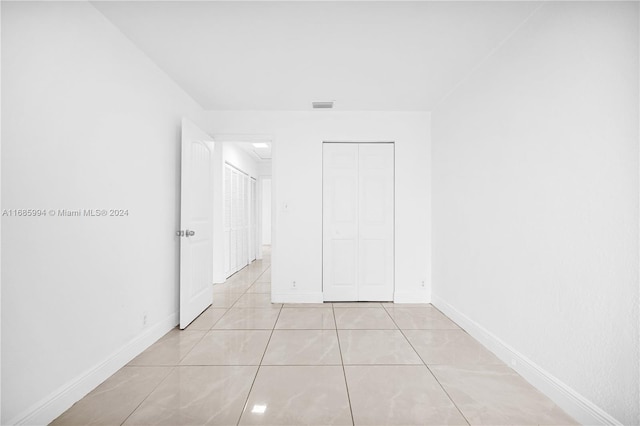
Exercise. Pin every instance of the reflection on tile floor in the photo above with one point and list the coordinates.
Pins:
(248, 361)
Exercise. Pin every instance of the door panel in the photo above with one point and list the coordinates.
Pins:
(196, 223)
(227, 219)
(254, 216)
(376, 222)
(343, 256)
(340, 227)
(373, 270)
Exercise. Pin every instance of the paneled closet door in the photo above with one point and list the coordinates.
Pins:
(252, 221)
(239, 219)
(340, 222)
(233, 249)
(375, 222)
(358, 222)
(228, 172)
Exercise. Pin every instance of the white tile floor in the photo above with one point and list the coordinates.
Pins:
(248, 361)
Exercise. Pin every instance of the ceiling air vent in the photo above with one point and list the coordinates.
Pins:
(322, 105)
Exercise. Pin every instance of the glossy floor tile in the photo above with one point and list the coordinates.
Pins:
(247, 318)
(399, 395)
(115, 399)
(363, 318)
(306, 318)
(315, 395)
(260, 287)
(376, 347)
(224, 299)
(449, 347)
(495, 394)
(229, 347)
(170, 349)
(426, 318)
(303, 347)
(199, 395)
(256, 300)
(207, 319)
(248, 361)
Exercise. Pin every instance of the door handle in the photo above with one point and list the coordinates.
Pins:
(180, 233)
(190, 233)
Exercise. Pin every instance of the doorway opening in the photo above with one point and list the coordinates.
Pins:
(242, 165)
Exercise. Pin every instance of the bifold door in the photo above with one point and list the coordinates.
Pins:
(358, 221)
(239, 233)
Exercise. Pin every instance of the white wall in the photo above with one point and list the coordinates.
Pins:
(264, 168)
(535, 205)
(266, 211)
(88, 123)
(297, 183)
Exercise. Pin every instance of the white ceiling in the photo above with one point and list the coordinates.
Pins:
(283, 55)
(260, 154)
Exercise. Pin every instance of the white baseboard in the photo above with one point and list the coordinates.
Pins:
(318, 297)
(49, 408)
(315, 297)
(576, 405)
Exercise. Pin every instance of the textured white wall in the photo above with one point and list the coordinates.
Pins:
(535, 199)
(88, 122)
(297, 183)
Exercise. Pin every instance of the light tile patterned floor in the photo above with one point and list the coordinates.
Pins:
(247, 361)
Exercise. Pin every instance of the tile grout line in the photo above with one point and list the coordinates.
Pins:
(213, 325)
(344, 373)
(425, 364)
(171, 370)
(258, 369)
(261, 359)
(227, 309)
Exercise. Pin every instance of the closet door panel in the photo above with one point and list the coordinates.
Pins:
(340, 222)
(376, 222)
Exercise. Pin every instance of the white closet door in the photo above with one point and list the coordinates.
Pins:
(227, 219)
(340, 222)
(375, 222)
(239, 198)
(252, 221)
(233, 249)
(243, 226)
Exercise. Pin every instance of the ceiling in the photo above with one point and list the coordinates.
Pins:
(265, 55)
(260, 151)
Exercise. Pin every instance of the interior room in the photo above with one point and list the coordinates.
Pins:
(421, 212)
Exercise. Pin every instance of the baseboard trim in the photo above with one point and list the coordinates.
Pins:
(49, 408)
(576, 405)
(318, 297)
(315, 297)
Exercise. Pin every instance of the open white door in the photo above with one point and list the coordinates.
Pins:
(196, 224)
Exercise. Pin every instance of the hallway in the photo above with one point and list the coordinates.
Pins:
(247, 361)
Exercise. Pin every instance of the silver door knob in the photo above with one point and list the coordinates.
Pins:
(180, 233)
(190, 233)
